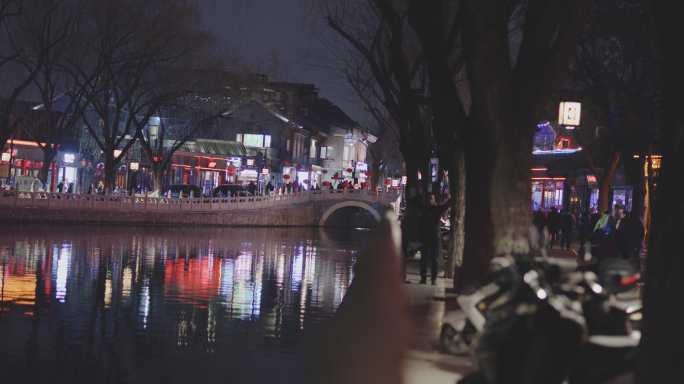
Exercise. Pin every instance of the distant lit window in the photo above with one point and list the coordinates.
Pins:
(251, 140)
(347, 153)
(312, 149)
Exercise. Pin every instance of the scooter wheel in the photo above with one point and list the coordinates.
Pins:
(452, 342)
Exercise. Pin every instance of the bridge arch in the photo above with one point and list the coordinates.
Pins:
(349, 204)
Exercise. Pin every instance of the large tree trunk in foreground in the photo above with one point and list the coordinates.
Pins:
(478, 249)
(662, 346)
(507, 99)
(457, 189)
(500, 169)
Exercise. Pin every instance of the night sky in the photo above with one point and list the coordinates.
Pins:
(255, 31)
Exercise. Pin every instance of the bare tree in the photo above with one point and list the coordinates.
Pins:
(383, 65)
(12, 53)
(616, 75)
(46, 30)
(184, 120)
(130, 46)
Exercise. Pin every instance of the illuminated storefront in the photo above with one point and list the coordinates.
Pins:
(547, 193)
(208, 164)
(25, 158)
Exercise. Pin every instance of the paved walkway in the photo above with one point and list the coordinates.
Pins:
(424, 363)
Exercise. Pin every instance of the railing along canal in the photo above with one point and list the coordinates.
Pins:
(127, 203)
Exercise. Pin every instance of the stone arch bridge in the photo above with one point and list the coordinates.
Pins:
(307, 209)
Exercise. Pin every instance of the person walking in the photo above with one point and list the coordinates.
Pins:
(60, 187)
(431, 216)
(553, 225)
(629, 234)
(585, 227)
(539, 221)
(567, 224)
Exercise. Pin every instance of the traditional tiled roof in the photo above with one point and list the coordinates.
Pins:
(214, 147)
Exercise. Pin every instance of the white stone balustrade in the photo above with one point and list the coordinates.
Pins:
(65, 201)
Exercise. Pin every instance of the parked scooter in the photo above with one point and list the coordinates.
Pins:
(460, 328)
(540, 321)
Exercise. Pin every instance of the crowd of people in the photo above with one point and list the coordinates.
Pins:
(613, 234)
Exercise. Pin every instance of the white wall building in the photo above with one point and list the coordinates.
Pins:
(345, 153)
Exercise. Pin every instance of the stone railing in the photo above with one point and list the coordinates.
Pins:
(48, 200)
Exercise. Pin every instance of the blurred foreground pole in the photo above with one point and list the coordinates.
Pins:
(367, 340)
(663, 338)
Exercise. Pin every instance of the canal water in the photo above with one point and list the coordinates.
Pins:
(150, 305)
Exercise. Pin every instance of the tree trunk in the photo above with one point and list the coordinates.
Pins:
(663, 319)
(607, 183)
(499, 145)
(634, 172)
(157, 179)
(662, 347)
(3, 140)
(457, 188)
(48, 156)
(649, 192)
(109, 172)
(478, 249)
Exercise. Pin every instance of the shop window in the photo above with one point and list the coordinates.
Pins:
(623, 196)
(536, 195)
(593, 199)
(326, 153)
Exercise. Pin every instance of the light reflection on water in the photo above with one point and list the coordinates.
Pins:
(160, 305)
